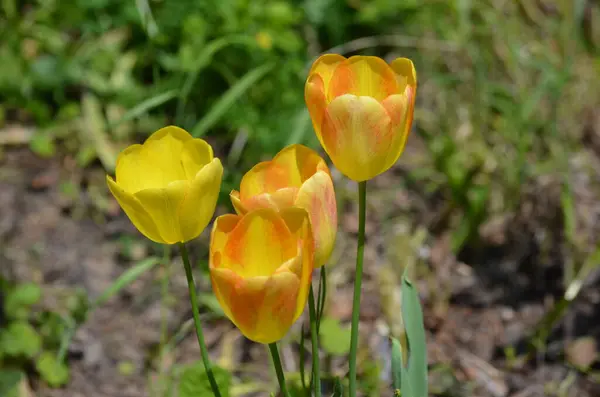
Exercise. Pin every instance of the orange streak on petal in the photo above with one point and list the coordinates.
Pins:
(363, 76)
(316, 101)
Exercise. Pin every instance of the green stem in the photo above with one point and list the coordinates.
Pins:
(314, 336)
(362, 201)
(196, 315)
(278, 368)
(321, 296)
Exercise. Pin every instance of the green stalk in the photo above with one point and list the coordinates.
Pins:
(196, 315)
(314, 336)
(278, 368)
(362, 201)
(321, 296)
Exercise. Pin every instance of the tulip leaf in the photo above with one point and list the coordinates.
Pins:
(335, 339)
(228, 99)
(415, 376)
(396, 363)
(194, 381)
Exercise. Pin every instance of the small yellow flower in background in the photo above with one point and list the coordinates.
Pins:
(169, 186)
(264, 40)
(261, 266)
(297, 176)
(362, 111)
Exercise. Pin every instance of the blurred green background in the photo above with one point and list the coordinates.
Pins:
(505, 146)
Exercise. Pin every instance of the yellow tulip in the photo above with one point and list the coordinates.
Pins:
(362, 111)
(261, 266)
(297, 176)
(169, 186)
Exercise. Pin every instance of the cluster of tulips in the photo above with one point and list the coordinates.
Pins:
(262, 258)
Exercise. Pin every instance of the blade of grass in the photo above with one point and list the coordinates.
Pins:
(203, 61)
(228, 99)
(145, 106)
(124, 280)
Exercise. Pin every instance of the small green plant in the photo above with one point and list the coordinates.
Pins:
(31, 335)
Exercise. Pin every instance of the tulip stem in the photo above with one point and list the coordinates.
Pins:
(196, 315)
(362, 203)
(278, 369)
(314, 336)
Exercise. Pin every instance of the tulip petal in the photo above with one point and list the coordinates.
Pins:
(316, 102)
(357, 135)
(237, 202)
(198, 206)
(195, 154)
(325, 65)
(282, 198)
(222, 226)
(317, 197)
(400, 111)
(289, 169)
(161, 162)
(163, 206)
(135, 211)
(363, 76)
(247, 251)
(127, 170)
(261, 307)
(175, 132)
(406, 73)
(298, 221)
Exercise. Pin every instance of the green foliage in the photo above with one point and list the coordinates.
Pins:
(54, 372)
(335, 339)
(20, 339)
(409, 360)
(31, 336)
(20, 299)
(194, 382)
(9, 382)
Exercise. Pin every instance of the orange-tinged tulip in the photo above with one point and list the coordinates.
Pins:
(362, 111)
(169, 186)
(297, 176)
(261, 266)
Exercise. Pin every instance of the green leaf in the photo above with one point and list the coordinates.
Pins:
(194, 382)
(396, 363)
(227, 100)
(204, 58)
(54, 372)
(42, 144)
(9, 382)
(94, 131)
(412, 316)
(125, 279)
(20, 299)
(20, 339)
(143, 107)
(335, 339)
(211, 303)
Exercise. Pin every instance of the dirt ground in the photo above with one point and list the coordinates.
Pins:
(478, 306)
